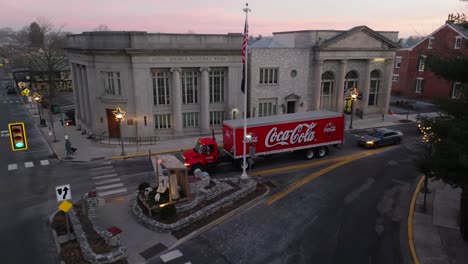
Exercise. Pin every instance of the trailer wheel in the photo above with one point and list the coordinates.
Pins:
(322, 152)
(310, 154)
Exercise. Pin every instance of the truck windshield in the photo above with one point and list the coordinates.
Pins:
(199, 148)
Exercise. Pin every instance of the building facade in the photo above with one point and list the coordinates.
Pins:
(411, 77)
(315, 69)
(168, 84)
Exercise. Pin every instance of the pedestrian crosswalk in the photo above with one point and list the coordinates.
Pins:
(106, 180)
(11, 102)
(174, 256)
(28, 164)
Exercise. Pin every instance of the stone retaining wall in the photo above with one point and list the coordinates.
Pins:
(202, 213)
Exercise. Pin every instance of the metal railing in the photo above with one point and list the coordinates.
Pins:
(102, 139)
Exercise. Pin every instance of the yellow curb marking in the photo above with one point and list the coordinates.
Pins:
(410, 222)
(347, 159)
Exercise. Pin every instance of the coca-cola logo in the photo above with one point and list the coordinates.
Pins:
(302, 133)
(329, 129)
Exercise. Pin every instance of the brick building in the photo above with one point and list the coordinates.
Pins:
(412, 79)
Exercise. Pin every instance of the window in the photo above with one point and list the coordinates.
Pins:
(398, 62)
(267, 107)
(456, 90)
(374, 88)
(268, 76)
(162, 121)
(326, 91)
(396, 77)
(190, 119)
(293, 74)
(430, 43)
(458, 42)
(58, 75)
(422, 63)
(216, 118)
(161, 94)
(351, 80)
(419, 85)
(111, 83)
(216, 87)
(189, 87)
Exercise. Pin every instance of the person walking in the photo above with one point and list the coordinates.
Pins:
(68, 147)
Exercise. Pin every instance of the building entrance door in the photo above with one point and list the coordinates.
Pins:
(291, 107)
(112, 125)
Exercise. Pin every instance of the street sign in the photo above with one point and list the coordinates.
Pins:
(25, 92)
(65, 206)
(63, 192)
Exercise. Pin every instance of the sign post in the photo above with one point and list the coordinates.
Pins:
(63, 193)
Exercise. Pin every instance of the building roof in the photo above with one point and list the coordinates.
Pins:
(265, 42)
(354, 30)
(463, 31)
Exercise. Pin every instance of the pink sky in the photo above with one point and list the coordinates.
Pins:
(409, 17)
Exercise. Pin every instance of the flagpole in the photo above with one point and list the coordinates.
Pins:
(244, 177)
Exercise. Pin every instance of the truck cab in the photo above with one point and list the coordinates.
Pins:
(204, 154)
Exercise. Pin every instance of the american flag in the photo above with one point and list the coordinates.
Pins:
(245, 42)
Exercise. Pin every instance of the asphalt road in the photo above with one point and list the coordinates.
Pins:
(356, 213)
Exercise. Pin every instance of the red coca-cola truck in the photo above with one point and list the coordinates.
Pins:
(309, 132)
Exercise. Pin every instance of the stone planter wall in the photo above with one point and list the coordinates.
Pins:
(202, 213)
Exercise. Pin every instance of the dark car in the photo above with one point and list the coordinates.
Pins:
(380, 137)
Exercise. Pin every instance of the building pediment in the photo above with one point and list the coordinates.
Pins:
(292, 97)
(359, 38)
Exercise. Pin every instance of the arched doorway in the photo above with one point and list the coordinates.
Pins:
(327, 91)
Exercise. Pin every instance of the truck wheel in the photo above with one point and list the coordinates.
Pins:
(322, 152)
(310, 154)
(196, 166)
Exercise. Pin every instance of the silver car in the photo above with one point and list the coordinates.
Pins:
(380, 137)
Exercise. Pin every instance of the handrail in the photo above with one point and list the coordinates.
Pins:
(101, 139)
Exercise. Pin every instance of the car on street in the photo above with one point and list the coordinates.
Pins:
(380, 137)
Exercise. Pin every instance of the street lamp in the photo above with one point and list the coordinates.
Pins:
(120, 117)
(37, 98)
(354, 92)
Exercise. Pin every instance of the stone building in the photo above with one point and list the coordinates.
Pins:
(313, 69)
(168, 84)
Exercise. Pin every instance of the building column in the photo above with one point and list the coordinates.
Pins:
(75, 92)
(80, 95)
(388, 85)
(205, 100)
(366, 88)
(177, 100)
(89, 122)
(340, 87)
(318, 85)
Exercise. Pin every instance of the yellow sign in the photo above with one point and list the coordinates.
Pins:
(25, 92)
(65, 206)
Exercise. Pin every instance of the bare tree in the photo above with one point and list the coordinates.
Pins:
(102, 27)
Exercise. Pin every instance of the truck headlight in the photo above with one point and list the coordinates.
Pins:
(370, 142)
(186, 164)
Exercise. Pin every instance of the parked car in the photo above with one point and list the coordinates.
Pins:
(380, 137)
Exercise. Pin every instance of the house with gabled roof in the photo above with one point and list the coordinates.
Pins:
(413, 80)
(307, 70)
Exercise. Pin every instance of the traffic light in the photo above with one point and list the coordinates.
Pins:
(18, 136)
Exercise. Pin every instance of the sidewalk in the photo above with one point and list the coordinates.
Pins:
(436, 232)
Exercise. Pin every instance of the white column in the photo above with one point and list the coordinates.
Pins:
(177, 100)
(340, 86)
(75, 92)
(80, 94)
(318, 85)
(89, 121)
(205, 100)
(365, 90)
(388, 85)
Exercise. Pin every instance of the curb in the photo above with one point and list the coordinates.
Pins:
(412, 247)
(54, 234)
(218, 221)
(147, 154)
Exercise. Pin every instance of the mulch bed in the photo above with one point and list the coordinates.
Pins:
(200, 205)
(261, 189)
(70, 251)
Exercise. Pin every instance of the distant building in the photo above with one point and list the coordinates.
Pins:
(169, 84)
(412, 79)
(314, 69)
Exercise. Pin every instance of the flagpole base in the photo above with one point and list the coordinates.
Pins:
(244, 178)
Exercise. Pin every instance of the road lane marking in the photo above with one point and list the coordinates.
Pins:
(109, 186)
(347, 159)
(412, 247)
(12, 166)
(104, 172)
(356, 192)
(101, 194)
(105, 176)
(171, 255)
(101, 168)
(107, 181)
(44, 162)
(29, 164)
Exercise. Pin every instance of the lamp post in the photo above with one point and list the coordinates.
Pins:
(120, 117)
(354, 94)
(37, 98)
